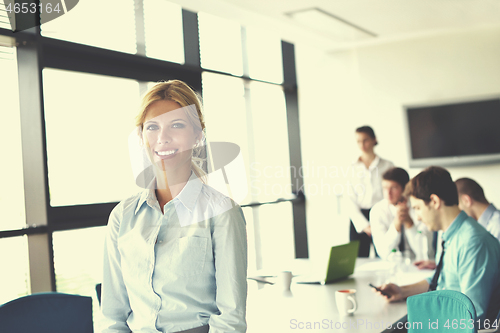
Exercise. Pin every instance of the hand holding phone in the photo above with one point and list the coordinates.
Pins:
(378, 289)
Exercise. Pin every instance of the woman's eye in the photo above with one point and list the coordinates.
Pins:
(178, 125)
(151, 127)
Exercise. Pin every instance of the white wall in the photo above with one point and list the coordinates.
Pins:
(369, 85)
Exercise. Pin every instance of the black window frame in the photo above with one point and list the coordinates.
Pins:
(36, 52)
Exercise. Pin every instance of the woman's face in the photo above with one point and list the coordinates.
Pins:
(365, 142)
(170, 135)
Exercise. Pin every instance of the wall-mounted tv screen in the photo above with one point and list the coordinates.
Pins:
(454, 134)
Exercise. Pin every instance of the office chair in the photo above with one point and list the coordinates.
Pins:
(442, 310)
(47, 313)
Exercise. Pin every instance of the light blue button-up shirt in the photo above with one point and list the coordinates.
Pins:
(490, 219)
(472, 265)
(178, 270)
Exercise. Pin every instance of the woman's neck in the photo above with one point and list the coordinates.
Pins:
(169, 185)
(367, 158)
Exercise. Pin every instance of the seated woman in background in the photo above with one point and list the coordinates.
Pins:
(175, 254)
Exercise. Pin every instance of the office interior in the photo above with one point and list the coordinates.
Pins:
(286, 81)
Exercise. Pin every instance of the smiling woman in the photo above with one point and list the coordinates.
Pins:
(175, 254)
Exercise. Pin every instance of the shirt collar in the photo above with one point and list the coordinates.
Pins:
(372, 166)
(148, 195)
(374, 163)
(187, 197)
(455, 225)
(189, 194)
(486, 215)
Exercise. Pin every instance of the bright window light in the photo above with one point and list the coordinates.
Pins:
(78, 257)
(12, 180)
(163, 25)
(220, 44)
(270, 171)
(225, 113)
(106, 24)
(264, 55)
(276, 235)
(88, 120)
(14, 263)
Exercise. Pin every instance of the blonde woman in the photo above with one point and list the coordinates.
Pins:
(175, 254)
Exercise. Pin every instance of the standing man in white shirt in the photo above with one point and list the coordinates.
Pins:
(365, 188)
(393, 222)
(471, 200)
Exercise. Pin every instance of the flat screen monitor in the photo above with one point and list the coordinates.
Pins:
(454, 133)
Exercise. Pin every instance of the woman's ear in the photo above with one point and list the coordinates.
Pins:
(199, 138)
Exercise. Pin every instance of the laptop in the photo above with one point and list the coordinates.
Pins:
(339, 266)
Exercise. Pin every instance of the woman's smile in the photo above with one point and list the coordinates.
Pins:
(166, 154)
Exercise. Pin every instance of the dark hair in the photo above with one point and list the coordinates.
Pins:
(471, 188)
(366, 129)
(433, 180)
(397, 175)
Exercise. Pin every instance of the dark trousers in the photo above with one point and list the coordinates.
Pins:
(364, 240)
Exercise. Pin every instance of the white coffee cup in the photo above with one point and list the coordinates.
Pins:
(284, 280)
(346, 301)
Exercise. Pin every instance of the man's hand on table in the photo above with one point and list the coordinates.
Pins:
(395, 293)
(392, 292)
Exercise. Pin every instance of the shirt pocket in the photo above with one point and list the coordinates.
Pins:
(189, 255)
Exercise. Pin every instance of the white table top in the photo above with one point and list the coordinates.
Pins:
(312, 308)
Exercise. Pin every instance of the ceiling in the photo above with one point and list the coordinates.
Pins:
(357, 22)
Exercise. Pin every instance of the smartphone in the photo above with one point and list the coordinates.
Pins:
(378, 289)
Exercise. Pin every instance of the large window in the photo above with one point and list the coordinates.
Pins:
(88, 119)
(264, 55)
(14, 263)
(96, 23)
(220, 44)
(163, 30)
(253, 116)
(71, 99)
(11, 180)
(78, 261)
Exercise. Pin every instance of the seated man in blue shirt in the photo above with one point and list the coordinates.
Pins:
(471, 258)
(471, 200)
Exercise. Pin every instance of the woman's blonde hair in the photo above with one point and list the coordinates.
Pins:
(179, 92)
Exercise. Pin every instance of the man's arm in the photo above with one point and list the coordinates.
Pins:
(395, 293)
(477, 274)
(385, 235)
(354, 211)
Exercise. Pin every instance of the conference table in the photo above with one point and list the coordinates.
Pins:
(312, 307)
